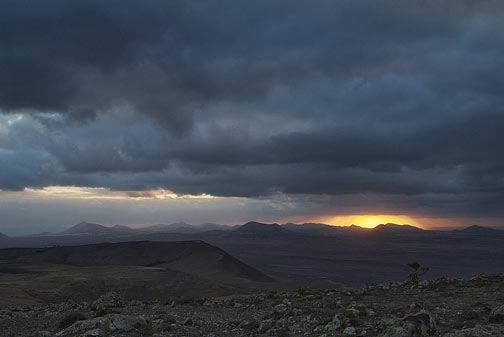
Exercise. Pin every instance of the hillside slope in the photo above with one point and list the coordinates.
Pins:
(193, 257)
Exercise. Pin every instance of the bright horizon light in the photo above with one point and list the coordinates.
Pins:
(370, 220)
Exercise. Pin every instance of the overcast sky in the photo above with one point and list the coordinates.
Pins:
(227, 111)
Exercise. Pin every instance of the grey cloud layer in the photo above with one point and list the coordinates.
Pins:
(398, 99)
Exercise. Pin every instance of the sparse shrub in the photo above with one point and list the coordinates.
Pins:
(272, 294)
(416, 271)
(105, 311)
(70, 318)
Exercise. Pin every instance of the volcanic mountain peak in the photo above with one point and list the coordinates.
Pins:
(395, 228)
(87, 228)
(96, 229)
(3, 236)
(356, 229)
(479, 229)
(258, 228)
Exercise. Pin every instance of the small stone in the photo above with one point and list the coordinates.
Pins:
(265, 325)
(44, 334)
(281, 323)
(332, 327)
(350, 331)
(94, 333)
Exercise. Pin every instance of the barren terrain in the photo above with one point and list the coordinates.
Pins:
(444, 307)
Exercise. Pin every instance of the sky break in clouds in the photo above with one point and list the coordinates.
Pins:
(281, 110)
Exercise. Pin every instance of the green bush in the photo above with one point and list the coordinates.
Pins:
(416, 271)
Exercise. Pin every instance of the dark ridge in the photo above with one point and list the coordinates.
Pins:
(193, 257)
(395, 228)
(476, 229)
(262, 229)
(87, 228)
(316, 228)
(179, 227)
(96, 229)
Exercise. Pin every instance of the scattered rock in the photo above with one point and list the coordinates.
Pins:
(94, 333)
(109, 300)
(465, 310)
(80, 326)
(70, 318)
(114, 322)
(350, 331)
(265, 325)
(497, 315)
(127, 322)
(478, 331)
(44, 333)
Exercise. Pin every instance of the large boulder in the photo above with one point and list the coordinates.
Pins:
(497, 315)
(127, 322)
(420, 324)
(85, 325)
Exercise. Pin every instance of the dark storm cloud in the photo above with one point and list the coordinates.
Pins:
(401, 100)
(165, 58)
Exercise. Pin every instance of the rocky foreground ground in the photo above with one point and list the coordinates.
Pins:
(442, 307)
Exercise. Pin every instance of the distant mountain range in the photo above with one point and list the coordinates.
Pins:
(87, 233)
(289, 251)
(249, 228)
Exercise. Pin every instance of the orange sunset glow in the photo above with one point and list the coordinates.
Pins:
(370, 220)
